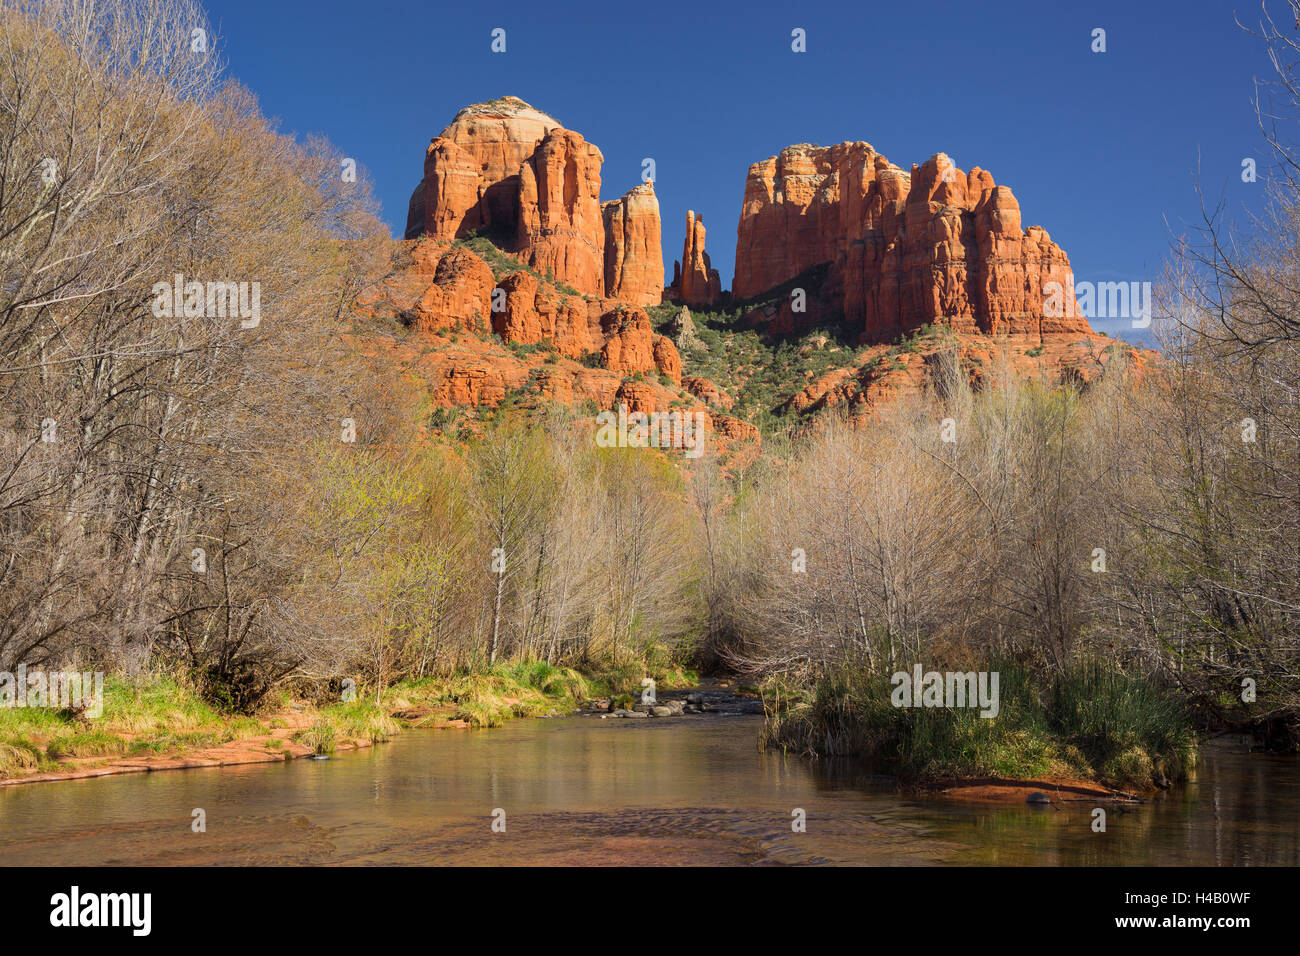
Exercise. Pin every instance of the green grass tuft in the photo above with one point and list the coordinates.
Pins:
(1092, 722)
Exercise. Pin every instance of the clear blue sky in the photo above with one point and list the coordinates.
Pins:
(1100, 149)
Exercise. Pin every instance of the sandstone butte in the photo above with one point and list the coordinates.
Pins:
(634, 263)
(899, 249)
(510, 172)
(891, 252)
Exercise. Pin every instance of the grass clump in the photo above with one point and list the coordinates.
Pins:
(319, 738)
(19, 756)
(358, 720)
(160, 703)
(489, 698)
(163, 714)
(90, 743)
(150, 714)
(1091, 721)
(1130, 729)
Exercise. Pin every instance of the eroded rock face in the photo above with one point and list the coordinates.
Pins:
(473, 384)
(631, 346)
(509, 172)
(634, 263)
(415, 213)
(695, 281)
(453, 191)
(936, 245)
(879, 376)
(560, 231)
(667, 359)
(706, 391)
(682, 330)
(471, 169)
(442, 290)
(535, 313)
(460, 296)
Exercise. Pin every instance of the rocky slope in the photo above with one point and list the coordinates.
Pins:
(432, 319)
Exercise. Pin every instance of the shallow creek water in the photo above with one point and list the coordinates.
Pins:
(690, 790)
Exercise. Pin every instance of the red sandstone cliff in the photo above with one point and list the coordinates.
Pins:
(441, 289)
(634, 260)
(516, 175)
(559, 229)
(936, 245)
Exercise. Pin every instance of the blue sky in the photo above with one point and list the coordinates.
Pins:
(1102, 149)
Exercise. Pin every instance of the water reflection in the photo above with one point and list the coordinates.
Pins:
(648, 792)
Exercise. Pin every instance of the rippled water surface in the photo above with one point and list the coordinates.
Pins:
(692, 790)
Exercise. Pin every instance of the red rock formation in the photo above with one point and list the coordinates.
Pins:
(415, 213)
(736, 430)
(473, 383)
(789, 218)
(471, 169)
(445, 292)
(880, 375)
(667, 360)
(631, 346)
(534, 314)
(460, 296)
(453, 191)
(706, 391)
(560, 231)
(638, 397)
(533, 187)
(634, 261)
(434, 287)
(695, 282)
(937, 245)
